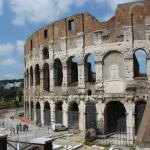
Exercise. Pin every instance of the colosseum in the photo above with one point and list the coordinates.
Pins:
(86, 74)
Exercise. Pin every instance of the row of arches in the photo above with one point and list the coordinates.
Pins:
(111, 65)
(114, 115)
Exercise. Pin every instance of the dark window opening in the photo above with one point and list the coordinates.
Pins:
(37, 75)
(71, 25)
(46, 84)
(45, 34)
(45, 53)
(89, 92)
(140, 63)
(58, 74)
(72, 71)
(31, 76)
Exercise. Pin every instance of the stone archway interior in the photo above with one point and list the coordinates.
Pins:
(139, 111)
(73, 116)
(47, 119)
(38, 114)
(58, 113)
(115, 118)
(90, 116)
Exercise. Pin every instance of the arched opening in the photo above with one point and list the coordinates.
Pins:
(73, 116)
(32, 111)
(46, 84)
(31, 76)
(72, 71)
(38, 114)
(45, 53)
(115, 117)
(140, 63)
(90, 116)
(37, 75)
(89, 68)
(47, 116)
(58, 112)
(27, 78)
(58, 74)
(139, 111)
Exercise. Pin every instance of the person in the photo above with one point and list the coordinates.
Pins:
(17, 128)
(11, 129)
(27, 127)
(3, 124)
(20, 127)
(14, 130)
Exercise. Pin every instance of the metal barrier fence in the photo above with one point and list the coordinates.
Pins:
(120, 137)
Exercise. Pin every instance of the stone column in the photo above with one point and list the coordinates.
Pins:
(65, 113)
(81, 76)
(129, 70)
(130, 118)
(29, 80)
(100, 106)
(51, 74)
(128, 34)
(52, 112)
(82, 115)
(148, 67)
(34, 108)
(25, 107)
(29, 109)
(33, 76)
(99, 73)
(41, 80)
(65, 81)
(42, 113)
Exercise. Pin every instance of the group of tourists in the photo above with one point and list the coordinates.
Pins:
(19, 127)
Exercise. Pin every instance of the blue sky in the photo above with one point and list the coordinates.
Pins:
(19, 18)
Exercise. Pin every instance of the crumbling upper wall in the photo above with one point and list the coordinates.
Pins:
(135, 14)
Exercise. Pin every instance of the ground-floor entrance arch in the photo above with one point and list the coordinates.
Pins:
(90, 116)
(73, 116)
(115, 117)
(38, 114)
(47, 120)
(58, 112)
(139, 110)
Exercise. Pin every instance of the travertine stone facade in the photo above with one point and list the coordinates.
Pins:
(56, 69)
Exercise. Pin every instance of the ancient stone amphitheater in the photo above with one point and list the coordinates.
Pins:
(86, 74)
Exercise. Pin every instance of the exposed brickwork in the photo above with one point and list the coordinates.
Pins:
(113, 45)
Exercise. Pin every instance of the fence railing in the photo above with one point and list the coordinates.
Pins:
(119, 137)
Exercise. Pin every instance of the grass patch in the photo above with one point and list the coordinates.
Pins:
(88, 143)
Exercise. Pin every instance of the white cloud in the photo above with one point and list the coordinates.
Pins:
(20, 46)
(9, 62)
(113, 3)
(6, 49)
(1, 7)
(34, 11)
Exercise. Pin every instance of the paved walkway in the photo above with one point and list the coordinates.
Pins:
(65, 138)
